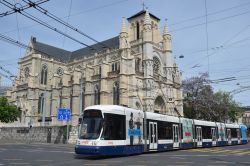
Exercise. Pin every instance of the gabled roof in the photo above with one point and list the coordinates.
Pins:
(51, 51)
(141, 13)
(67, 56)
(110, 43)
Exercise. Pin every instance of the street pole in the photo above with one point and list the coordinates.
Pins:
(44, 108)
(80, 105)
(67, 139)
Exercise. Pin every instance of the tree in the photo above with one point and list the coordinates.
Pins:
(8, 112)
(201, 102)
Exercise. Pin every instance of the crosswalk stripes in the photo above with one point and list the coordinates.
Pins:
(221, 151)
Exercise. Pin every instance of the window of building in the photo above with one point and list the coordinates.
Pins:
(100, 70)
(114, 127)
(116, 94)
(137, 64)
(137, 30)
(83, 98)
(115, 66)
(41, 103)
(156, 65)
(44, 74)
(26, 72)
(97, 95)
(59, 71)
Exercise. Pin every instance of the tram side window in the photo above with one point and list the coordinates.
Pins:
(206, 132)
(165, 130)
(114, 127)
(234, 133)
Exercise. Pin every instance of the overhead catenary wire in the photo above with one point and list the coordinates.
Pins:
(11, 6)
(57, 19)
(21, 8)
(70, 7)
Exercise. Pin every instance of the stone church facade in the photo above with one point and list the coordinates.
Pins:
(134, 69)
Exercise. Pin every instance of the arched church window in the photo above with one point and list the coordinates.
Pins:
(59, 71)
(137, 30)
(41, 102)
(96, 95)
(156, 65)
(137, 64)
(26, 72)
(44, 74)
(116, 94)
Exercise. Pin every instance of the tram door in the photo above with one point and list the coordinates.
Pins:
(213, 132)
(153, 139)
(176, 137)
(199, 135)
(229, 141)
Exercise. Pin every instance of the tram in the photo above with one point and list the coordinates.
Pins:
(111, 130)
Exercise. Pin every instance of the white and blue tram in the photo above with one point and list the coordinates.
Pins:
(116, 130)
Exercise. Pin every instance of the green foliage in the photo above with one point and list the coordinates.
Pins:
(8, 113)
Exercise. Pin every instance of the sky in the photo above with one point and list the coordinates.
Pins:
(213, 36)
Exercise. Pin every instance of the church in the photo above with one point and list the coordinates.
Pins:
(135, 69)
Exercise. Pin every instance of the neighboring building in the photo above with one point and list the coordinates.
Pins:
(246, 116)
(134, 69)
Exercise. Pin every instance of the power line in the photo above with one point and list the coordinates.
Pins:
(21, 45)
(207, 37)
(70, 7)
(212, 21)
(57, 19)
(209, 14)
(11, 6)
(21, 8)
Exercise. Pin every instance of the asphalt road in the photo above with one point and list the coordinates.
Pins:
(57, 155)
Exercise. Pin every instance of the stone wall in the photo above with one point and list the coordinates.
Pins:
(52, 134)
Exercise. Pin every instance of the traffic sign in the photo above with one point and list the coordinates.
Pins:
(63, 114)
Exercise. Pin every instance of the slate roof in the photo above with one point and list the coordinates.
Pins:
(141, 13)
(67, 56)
(110, 43)
(52, 52)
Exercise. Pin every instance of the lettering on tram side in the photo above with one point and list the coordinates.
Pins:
(134, 132)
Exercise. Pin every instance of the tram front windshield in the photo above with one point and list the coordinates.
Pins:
(91, 124)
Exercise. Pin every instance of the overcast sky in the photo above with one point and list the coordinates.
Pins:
(227, 32)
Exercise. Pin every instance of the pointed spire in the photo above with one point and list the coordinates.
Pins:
(147, 18)
(123, 29)
(166, 30)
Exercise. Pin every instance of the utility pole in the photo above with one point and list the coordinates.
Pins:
(144, 108)
(44, 108)
(80, 105)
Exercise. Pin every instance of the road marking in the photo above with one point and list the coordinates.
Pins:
(135, 165)
(1, 164)
(178, 158)
(216, 165)
(184, 162)
(44, 160)
(13, 159)
(112, 161)
(94, 164)
(19, 163)
(177, 165)
(244, 162)
(222, 162)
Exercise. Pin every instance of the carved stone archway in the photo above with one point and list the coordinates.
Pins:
(159, 105)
